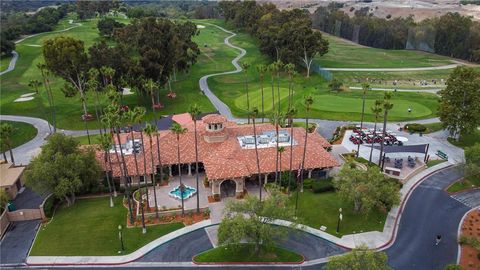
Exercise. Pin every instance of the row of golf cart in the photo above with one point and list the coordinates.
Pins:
(370, 135)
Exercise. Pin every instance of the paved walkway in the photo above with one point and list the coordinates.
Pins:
(395, 69)
(16, 243)
(11, 65)
(433, 91)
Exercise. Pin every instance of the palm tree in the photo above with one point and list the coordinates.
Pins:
(34, 84)
(278, 65)
(106, 144)
(112, 119)
(253, 115)
(290, 69)
(150, 130)
(377, 109)
(308, 103)
(194, 113)
(387, 106)
(365, 87)
(245, 67)
(178, 130)
(6, 133)
(46, 83)
(280, 151)
(135, 116)
(290, 114)
(275, 120)
(272, 68)
(262, 69)
(150, 85)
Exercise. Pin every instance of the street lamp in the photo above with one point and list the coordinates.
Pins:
(121, 238)
(340, 217)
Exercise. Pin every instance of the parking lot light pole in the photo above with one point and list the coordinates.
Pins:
(340, 217)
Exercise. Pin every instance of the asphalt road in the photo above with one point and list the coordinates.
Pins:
(16, 243)
(429, 211)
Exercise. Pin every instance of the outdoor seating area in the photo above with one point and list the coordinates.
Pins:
(370, 135)
(398, 162)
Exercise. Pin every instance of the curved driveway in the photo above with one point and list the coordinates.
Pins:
(428, 212)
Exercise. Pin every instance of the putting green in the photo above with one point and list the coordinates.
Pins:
(331, 103)
(256, 98)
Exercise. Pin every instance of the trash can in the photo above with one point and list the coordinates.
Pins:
(11, 207)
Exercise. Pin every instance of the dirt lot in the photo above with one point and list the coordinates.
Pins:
(421, 9)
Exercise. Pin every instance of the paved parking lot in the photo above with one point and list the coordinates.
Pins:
(16, 243)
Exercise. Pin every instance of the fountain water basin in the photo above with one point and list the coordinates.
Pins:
(187, 192)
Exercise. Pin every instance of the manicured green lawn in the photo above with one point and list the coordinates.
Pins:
(83, 140)
(327, 105)
(345, 54)
(434, 162)
(246, 253)
(467, 140)
(23, 133)
(90, 227)
(317, 209)
(465, 183)
(4, 62)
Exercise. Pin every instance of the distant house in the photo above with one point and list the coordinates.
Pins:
(11, 178)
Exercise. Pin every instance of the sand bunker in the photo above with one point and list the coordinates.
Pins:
(28, 94)
(127, 91)
(199, 26)
(23, 99)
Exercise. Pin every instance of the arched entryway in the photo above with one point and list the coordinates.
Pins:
(227, 188)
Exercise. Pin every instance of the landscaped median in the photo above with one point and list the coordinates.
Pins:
(245, 254)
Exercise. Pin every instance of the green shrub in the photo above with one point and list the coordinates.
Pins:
(49, 206)
(416, 127)
(307, 183)
(322, 186)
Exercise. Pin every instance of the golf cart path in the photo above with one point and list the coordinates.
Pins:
(13, 62)
(25, 152)
(396, 69)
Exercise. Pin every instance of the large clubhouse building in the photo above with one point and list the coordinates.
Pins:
(226, 151)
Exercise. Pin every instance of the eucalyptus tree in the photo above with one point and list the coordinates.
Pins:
(253, 115)
(6, 134)
(290, 114)
(246, 67)
(262, 69)
(151, 130)
(194, 113)
(365, 87)
(308, 103)
(387, 106)
(178, 130)
(376, 110)
(106, 144)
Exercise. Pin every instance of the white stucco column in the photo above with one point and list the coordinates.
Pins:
(170, 170)
(309, 173)
(266, 179)
(189, 169)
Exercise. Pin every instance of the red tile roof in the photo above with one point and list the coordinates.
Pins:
(214, 119)
(182, 119)
(223, 160)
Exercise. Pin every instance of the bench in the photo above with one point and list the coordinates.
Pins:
(442, 155)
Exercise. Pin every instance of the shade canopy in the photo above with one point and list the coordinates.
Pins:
(418, 148)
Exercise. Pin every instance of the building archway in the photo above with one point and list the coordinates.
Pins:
(228, 188)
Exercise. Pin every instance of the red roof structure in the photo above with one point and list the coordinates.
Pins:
(225, 159)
